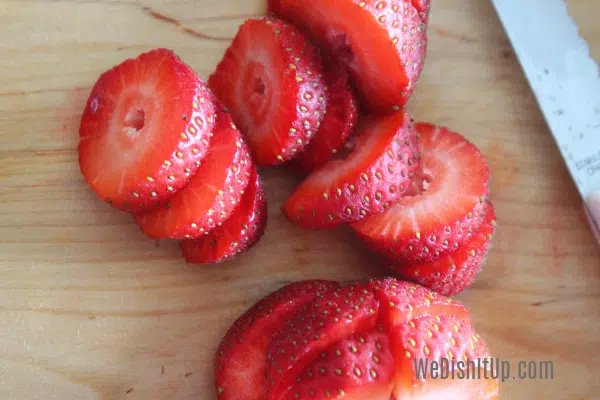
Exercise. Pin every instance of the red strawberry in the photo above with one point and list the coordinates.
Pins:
(373, 176)
(383, 43)
(401, 302)
(271, 81)
(455, 272)
(320, 324)
(424, 8)
(241, 231)
(360, 367)
(211, 195)
(424, 226)
(241, 359)
(450, 342)
(338, 123)
(145, 128)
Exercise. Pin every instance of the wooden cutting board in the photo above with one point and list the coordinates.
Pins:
(91, 309)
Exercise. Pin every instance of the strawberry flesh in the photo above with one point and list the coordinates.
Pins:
(339, 121)
(373, 176)
(359, 367)
(242, 230)
(242, 355)
(271, 81)
(443, 212)
(144, 130)
(314, 328)
(211, 195)
(385, 63)
(455, 272)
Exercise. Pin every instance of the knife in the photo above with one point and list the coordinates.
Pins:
(566, 83)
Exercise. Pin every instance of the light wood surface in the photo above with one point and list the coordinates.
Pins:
(91, 309)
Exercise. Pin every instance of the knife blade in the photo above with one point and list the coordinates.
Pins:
(566, 83)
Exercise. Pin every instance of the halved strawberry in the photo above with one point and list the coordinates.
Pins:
(211, 195)
(452, 273)
(325, 321)
(145, 128)
(357, 368)
(339, 121)
(241, 358)
(424, 226)
(383, 43)
(400, 302)
(376, 174)
(458, 352)
(241, 231)
(271, 81)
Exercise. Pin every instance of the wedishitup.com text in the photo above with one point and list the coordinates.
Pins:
(484, 368)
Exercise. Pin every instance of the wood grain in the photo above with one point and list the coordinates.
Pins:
(90, 309)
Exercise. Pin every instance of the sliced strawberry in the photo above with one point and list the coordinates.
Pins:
(145, 128)
(383, 43)
(339, 121)
(211, 195)
(376, 174)
(358, 368)
(241, 358)
(400, 302)
(325, 321)
(455, 272)
(424, 226)
(271, 81)
(240, 232)
(459, 353)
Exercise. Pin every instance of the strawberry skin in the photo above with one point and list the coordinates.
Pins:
(240, 363)
(453, 273)
(444, 210)
(211, 195)
(271, 80)
(240, 232)
(144, 130)
(339, 121)
(373, 177)
(350, 342)
(386, 63)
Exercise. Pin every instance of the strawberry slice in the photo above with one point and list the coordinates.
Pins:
(400, 302)
(424, 226)
(325, 321)
(240, 232)
(459, 353)
(376, 174)
(455, 272)
(358, 368)
(385, 63)
(338, 123)
(211, 195)
(145, 128)
(271, 81)
(241, 358)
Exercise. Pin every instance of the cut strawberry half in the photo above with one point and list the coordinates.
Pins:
(339, 121)
(376, 174)
(386, 62)
(459, 353)
(447, 211)
(455, 272)
(320, 324)
(241, 358)
(211, 195)
(145, 128)
(271, 81)
(241, 231)
(358, 368)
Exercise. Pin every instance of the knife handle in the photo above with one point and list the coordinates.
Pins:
(592, 210)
